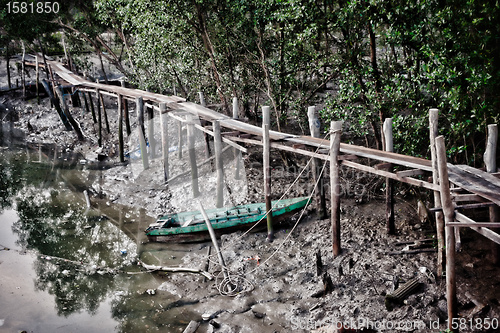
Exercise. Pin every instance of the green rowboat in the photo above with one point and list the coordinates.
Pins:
(191, 227)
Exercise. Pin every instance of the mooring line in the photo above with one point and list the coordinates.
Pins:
(265, 216)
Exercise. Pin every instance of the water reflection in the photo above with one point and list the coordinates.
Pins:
(81, 254)
(78, 255)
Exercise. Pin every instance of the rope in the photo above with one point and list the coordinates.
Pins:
(284, 194)
(234, 283)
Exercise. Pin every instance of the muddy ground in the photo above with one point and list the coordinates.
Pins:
(284, 288)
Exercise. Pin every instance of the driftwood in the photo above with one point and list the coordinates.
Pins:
(401, 293)
(177, 270)
(192, 327)
(479, 305)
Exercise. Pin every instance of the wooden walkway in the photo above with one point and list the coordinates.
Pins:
(469, 184)
(470, 179)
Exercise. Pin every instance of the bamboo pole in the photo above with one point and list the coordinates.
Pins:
(335, 134)
(490, 161)
(91, 102)
(179, 139)
(37, 71)
(23, 74)
(192, 156)
(125, 111)
(214, 241)
(164, 138)
(120, 128)
(266, 143)
(237, 153)
(151, 133)
(433, 131)
(140, 127)
(389, 184)
(86, 103)
(314, 127)
(449, 216)
(218, 164)
(99, 117)
(204, 123)
(101, 99)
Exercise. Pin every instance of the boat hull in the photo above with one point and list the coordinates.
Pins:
(255, 219)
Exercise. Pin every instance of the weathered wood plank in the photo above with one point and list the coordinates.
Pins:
(408, 180)
(488, 233)
(475, 181)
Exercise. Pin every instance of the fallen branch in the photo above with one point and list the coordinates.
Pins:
(411, 251)
(177, 270)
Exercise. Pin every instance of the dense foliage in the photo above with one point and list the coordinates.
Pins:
(361, 60)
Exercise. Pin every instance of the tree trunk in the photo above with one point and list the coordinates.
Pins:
(102, 66)
(7, 59)
(211, 53)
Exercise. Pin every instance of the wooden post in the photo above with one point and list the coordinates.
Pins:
(192, 156)
(164, 138)
(140, 127)
(449, 216)
(266, 143)
(37, 80)
(490, 160)
(218, 164)
(64, 106)
(86, 103)
(314, 127)
(237, 152)
(125, 111)
(99, 118)
(120, 128)
(389, 184)
(335, 134)
(101, 100)
(202, 99)
(433, 130)
(179, 139)
(204, 123)
(151, 133)
(23, 75)
(91, 102)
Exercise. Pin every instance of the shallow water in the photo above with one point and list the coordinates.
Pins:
(64, 267)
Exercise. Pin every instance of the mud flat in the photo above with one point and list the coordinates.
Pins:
(285, 292)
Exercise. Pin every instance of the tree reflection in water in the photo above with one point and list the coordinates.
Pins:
(58, 229)
(76, 249)
(53, 223)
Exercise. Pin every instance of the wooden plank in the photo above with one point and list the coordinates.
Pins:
(227, 140)
(480, 173)
(475, 224)
(408, 180)
(409, 173)
(475, 181)
(379, 155)
(466, 197)
(488, 233)
(383, 166)
(283, 147)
